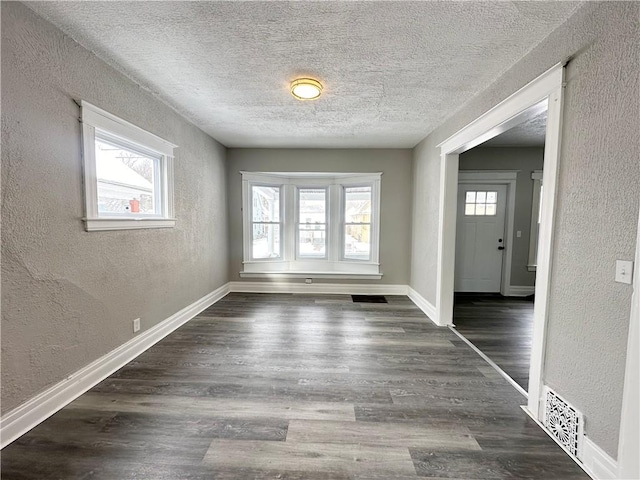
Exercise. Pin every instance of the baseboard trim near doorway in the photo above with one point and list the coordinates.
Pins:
(520, 290)
(23, 418)
(502, 373)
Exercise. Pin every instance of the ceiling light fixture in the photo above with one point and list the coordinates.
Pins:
(306, 88)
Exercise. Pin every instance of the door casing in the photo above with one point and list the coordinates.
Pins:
(542, 93)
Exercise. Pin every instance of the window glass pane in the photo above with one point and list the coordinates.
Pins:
(312, 241)
(470, 209)
(266, 203)
(491, 209)
(480, 209)
(312, 204)
(492, 197)
(481, 197)
(471, 197)
(357, 208)
(126, 180)
(266, 240)
(357, 242)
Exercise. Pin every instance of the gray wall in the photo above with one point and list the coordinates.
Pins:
(597, 207)
(526, 160)
(69, 296)
(395, 197)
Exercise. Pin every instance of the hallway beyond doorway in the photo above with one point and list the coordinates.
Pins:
(500, 327)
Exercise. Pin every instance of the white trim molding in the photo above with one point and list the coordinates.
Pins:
(499, 177)
(629, 437)
(289, 258)
(521, 290)
(594, 461)
(318, 288)
(597, 463)
(542, 93)
(26, 416)
(423, 304)
(104, 126)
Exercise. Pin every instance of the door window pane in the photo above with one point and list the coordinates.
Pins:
(266, 203)
(481, 203)
(266, 240)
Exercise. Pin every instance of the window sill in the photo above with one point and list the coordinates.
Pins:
(319, 275)
(97, 224)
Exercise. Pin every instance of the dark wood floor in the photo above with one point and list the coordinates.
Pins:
(296, 387)
(501, 328)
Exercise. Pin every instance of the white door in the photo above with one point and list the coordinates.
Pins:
(480, 241)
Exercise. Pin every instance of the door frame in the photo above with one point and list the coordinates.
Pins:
(543, 93)
(498, 177)
(629, 437)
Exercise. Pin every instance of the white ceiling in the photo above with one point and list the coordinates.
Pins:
(392, 71)
(530, 133)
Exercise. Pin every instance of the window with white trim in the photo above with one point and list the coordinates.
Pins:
(128, 174)
(536, 212)
(311, 224)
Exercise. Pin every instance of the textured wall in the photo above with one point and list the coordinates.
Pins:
(69, 296)
(395, 197)
(597, 204)
(525, 160)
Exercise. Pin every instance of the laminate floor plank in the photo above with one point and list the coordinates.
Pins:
(383, 434)
(302, 387)
(224, 407)
(501, 328)
(316, 457)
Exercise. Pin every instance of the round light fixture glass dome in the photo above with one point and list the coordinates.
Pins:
(306, 88)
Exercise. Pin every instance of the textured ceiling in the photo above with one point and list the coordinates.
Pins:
(392, 71)
(530, 133)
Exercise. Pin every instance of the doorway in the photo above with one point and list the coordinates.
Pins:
(494, 287)
(543, 93)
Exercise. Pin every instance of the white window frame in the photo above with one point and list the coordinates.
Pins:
(532, 264)
(291, 265)
(94, 120)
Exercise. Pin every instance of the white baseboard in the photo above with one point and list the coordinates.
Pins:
(26, 416)
(597, 463)
(317, 288)
(423, 304)
(593, 460)
(521, 290)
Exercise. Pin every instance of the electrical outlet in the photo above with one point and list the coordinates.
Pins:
(136, 325)
(308, 281)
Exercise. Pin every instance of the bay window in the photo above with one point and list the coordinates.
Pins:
(323, 225)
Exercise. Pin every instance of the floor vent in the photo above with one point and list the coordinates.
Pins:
(369, 299)
(563, 421)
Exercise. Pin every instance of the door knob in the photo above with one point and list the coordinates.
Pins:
(500, 247)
